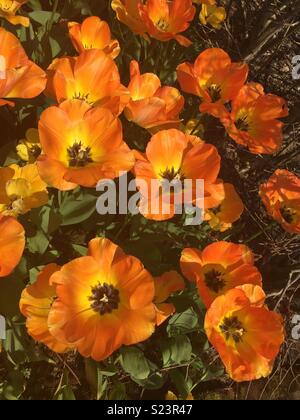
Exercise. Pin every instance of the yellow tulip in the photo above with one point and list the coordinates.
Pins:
(21, 189)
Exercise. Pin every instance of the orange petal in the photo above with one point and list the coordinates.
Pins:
(12, 244)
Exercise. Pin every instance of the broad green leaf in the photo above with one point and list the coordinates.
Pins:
(75, 208)
(38, 244)
(135, 363)
(183, 323)
(43, 16)
(176, 350)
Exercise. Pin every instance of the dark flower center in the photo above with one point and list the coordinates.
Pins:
(105, 298)
(233, 328)
(214, 281)
(35, 150)
(79, 156)
(172, 175)
(214, 92)
(288, 214)
(81, 96)
(162, 24)
(242, 124)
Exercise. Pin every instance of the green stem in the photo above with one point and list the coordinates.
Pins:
(54, 10)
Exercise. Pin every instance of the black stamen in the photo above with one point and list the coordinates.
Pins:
(242, 124)
(288, 214)
(214, 281)
(79, 156)
(214, 92)
(105, 298)
(233, 328)
(171, 175)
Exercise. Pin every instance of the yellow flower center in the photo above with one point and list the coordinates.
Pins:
(232, 328)
(105, 298)
(79, 155)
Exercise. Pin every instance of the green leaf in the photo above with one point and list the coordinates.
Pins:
(118, 392)
(14, 386)
(183, 385)
(42, 16)
(80, 250)
(38, 244)
(47, 218)
(183, 323)
(77, 207)
(176, 350)
(55, 47)
(95, 378)
(135, 363)
(154, 381)
(64, 391)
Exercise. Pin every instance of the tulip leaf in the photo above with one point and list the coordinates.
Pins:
(135, 363)
(76, 209)
(183, 323)
(176, 350)
(43, 16)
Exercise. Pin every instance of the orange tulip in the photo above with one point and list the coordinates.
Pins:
(165, 286)
(246, 334)
(253, 120)
(93, 33)
(35, 304)
(220, 267)
(8, 10)
(213, 77)
(19, 77)
(104, 301)
(128, 13)
(12, 244)
(93, 77)
(281, 196)
(81, 145)
(152, 106)
(165, 20)
(229, 211)
(174, 156)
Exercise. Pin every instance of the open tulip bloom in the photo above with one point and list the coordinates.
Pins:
(173, 156)
(281, 197)
(93, 33)
(152, 106)
(81, 145)
(104, 301)
(220, 267)
(93, 77)
(133, 182)
(19, 77)
(8, 10)
(246, 334)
